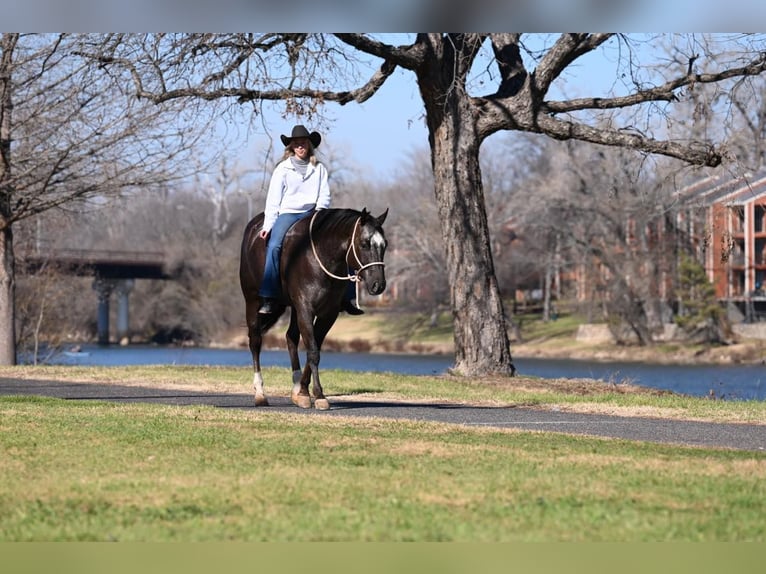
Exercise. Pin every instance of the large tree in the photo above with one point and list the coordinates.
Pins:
(69, 133)
(472, 86)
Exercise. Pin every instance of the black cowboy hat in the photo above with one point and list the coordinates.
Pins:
(300, 131)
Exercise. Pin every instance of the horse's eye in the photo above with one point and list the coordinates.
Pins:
(366, 244)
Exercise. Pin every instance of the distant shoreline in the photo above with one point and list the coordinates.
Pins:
(746, 353)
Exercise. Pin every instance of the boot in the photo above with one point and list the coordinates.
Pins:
(269, 306)
(350, 308)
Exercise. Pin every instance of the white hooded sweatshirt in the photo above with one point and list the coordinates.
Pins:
(291, 192)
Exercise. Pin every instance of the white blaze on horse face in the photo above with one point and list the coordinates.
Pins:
(378, 242)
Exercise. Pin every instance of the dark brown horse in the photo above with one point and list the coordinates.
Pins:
(317, 253)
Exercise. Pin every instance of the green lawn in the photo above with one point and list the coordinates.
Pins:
(92, 471)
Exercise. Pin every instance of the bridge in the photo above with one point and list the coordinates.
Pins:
(112, 272)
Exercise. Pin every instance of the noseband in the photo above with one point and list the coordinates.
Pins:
(351, 249)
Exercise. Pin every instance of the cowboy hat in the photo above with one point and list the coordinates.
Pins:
(300, 131)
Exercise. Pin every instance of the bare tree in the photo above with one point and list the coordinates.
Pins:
(608, 211)
(416, 260)
(229, 184)
(70, 132)
(743, 106)
(201, 302)
(519, 77)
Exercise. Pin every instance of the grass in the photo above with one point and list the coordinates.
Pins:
(534, 328)
(418, 327)
(92, 471)
(414, 332)
(96, 471)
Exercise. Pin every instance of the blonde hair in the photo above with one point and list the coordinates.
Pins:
(289, 152)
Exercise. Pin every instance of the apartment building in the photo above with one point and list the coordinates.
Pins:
(726, 218)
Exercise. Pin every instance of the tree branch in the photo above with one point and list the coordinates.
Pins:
(665, 92)
(513, 74)
(408, 57)
(209, 88)
(696, 153)
(242, 95)
(566, 50)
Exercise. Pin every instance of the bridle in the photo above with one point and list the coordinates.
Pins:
(351, 249)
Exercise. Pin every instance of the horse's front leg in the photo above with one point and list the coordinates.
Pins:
(322, 326)
(300, 393)
(311, 370)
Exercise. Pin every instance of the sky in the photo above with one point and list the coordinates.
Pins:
(372, 137)
(380, 132)
(377, 135)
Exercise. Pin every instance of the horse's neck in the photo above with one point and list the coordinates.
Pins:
(336, 248)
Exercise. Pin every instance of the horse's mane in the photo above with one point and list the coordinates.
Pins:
(340, 220)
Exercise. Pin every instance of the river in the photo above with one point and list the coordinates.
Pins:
(732, 382)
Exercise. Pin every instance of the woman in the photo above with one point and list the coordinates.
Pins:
(298, 186)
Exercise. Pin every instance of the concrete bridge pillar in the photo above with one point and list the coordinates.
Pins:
(123, 288)
(103, 288)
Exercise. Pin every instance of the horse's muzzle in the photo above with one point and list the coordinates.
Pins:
(376, 287)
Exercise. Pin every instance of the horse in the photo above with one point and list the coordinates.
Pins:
(318, 254)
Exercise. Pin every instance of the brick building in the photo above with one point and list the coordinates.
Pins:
(726, 219)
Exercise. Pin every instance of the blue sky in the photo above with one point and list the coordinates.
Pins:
(372, 137)
(377, 135)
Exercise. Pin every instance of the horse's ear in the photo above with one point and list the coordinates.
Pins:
(382, 217)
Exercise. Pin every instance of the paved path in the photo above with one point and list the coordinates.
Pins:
(736, 436)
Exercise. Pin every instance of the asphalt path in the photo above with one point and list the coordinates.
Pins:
(704, 434)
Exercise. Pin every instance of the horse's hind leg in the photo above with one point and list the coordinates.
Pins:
(300, 393)
(255, 331)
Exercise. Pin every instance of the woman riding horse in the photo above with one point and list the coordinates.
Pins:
(317, 253)
(299, 185)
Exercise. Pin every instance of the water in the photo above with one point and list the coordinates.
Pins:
(741, 382)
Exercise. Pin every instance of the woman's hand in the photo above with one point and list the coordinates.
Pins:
(263, 234)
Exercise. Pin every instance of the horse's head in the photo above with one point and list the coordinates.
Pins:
(370, 247)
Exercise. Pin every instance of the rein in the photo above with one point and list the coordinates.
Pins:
(351, 249)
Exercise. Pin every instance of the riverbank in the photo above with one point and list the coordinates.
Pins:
(744, 352)
(385, 332)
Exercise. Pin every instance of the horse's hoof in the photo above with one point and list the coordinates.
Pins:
(301, 401)
(261, 401)
(322, 404)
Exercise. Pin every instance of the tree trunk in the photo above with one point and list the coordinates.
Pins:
(474, 292)
(547, 290)
(7, 275)
(7, 294)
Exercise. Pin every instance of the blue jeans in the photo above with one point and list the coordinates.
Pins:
(271, 286)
